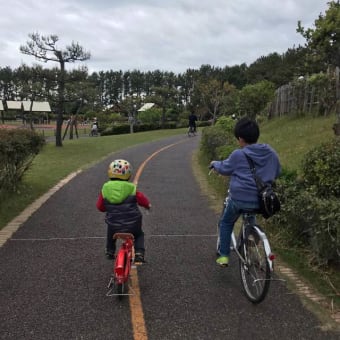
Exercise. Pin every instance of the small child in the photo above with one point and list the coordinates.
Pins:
(120, 198)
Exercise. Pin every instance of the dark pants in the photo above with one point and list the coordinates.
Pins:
(192, 127)
(137, 233)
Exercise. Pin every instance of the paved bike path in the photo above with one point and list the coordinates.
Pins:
(53, 272)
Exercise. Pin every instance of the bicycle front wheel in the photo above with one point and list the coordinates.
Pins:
(255, 271)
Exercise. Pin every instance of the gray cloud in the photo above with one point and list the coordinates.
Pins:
(168, 35)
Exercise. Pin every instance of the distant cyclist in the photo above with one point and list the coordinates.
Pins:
(94, 128)
(192, 123)
(120, 199)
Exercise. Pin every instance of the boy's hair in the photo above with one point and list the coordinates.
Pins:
(248, 130)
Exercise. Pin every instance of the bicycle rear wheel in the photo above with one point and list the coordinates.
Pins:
(121, 288)
(255, 272)
(121, 274)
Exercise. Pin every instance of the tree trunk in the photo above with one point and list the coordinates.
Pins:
(58, 141)
(61, 89)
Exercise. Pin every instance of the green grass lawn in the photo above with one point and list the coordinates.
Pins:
(55, 163)
(293, 137)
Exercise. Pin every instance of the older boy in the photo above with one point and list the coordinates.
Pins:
(242, 193)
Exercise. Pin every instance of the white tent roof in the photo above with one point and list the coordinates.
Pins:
(13, 105)
(37, 106)
(146, 106)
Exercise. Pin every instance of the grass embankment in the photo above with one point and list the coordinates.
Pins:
(55, 163)
(292, 138)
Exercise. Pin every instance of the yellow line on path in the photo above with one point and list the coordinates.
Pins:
(137, 315)
(142, 166)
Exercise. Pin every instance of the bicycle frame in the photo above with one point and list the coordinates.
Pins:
(123, 261)
(122, 265)
(263, 236)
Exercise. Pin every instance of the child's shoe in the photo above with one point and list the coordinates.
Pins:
(223, 261)
(139, 258)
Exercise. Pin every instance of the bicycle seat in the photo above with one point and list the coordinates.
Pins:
(123, 236)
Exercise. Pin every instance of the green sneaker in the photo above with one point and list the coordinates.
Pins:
(223, 261)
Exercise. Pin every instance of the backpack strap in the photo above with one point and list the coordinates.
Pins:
(258, 180)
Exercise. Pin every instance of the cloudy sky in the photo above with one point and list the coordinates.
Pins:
(169, 35)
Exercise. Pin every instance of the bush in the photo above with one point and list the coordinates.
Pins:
(223, 152)
(321, 169)
(120, 129)
(309, 221)
(310, 214)
(227, 124)
(18, 148)
(218, 141)
(212, 138)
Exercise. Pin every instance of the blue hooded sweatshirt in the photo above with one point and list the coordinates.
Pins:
(242, 184)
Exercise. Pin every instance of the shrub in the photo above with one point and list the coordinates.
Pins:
(212, 138)
(321, 169)
(218, 141)
(223, 152)
(310, 214)
(150, 116)
(307, 220)
(117, 129)
(227, 124)
(18, 148)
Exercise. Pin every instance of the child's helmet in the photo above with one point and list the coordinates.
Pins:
(120, 169)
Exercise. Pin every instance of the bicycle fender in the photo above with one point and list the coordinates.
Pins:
(120, 264)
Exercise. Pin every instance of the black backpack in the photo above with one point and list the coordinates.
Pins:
(268, 199)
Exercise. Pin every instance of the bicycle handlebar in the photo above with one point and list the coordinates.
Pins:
(211, 169)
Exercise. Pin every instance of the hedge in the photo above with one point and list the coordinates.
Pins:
(18, 148)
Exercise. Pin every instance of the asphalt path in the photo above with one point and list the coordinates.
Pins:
(53, 273)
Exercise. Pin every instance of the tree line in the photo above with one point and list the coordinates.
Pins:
(197, 89)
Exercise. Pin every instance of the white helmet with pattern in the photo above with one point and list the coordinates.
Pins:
(120, 169)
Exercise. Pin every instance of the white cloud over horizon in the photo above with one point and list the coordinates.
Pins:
(165, 35)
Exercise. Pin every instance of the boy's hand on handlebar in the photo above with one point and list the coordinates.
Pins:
(211, 167)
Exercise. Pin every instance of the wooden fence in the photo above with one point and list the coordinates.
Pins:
(303, 97)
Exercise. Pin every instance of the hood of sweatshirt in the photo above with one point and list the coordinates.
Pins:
(263, 155)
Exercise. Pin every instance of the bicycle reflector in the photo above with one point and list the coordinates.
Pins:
(271, 257)
(119, 272)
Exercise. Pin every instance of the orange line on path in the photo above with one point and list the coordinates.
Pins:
(142, 166)
(137, 315)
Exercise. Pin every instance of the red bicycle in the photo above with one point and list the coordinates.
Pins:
(119, 282)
